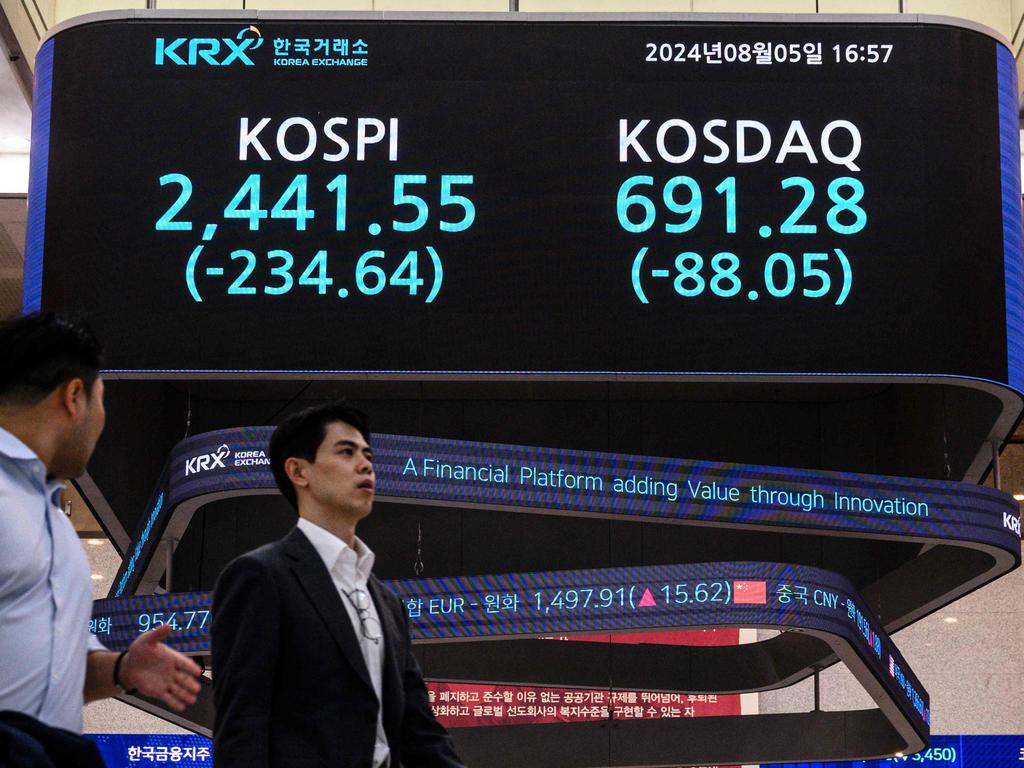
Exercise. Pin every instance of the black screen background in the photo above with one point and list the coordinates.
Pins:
(540, 282)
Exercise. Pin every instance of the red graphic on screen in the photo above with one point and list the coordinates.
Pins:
(661, 637)
(750, 592)
(647, 600)
(468, 705)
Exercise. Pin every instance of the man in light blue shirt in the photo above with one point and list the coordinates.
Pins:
(51, 415)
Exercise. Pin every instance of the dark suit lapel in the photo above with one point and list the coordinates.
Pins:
(316, 582)
(391, 686)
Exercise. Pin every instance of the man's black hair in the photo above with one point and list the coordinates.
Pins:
(299, 436)
(41, 351)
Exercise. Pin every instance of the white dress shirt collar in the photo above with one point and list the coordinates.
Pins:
(352, 564)
(349, 568)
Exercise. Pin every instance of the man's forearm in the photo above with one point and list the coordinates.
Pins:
(99, 676)
(150, 666)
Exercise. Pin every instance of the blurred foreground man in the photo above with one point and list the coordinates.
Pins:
(51, 415)
(311, 652)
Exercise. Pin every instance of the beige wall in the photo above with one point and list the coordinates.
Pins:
(991, 13)
(66, 9)
(858, 6)
(969, 656)
(1004, 16)
(1001, 15)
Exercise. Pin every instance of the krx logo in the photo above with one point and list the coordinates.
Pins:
(207, 461)
(1011, 522)
(218, 52)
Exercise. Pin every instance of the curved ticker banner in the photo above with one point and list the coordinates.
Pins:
(607, 195)
(619, 486)
(598, 600)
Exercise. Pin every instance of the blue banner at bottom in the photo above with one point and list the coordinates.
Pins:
(947, 752)
(121, 750)
(188, 751)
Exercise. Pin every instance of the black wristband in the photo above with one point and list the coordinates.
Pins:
(117, 675)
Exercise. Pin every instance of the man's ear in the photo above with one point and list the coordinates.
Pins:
(72, 397)
(295, 469)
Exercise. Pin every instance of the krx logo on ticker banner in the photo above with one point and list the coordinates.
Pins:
(207, 461)
(204, 462)
(1011, 522)
(215, 51)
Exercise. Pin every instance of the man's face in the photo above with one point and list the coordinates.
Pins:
(341, 478)
(79, 441)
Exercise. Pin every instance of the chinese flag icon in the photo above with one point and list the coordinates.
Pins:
(750, 592)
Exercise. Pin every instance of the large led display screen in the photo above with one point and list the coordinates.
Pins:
(530, 196)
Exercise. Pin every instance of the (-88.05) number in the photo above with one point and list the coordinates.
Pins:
(780, 276)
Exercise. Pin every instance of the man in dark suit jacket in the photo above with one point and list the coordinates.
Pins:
(312, 664)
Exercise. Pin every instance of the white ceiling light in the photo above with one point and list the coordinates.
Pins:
(951, 619)
(17, 143)
(1019, 496)
(14, 172)
(97, 576)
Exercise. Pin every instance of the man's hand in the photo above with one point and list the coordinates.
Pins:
(159, 671)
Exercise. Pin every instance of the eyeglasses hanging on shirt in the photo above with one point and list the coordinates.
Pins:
(361, 602)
